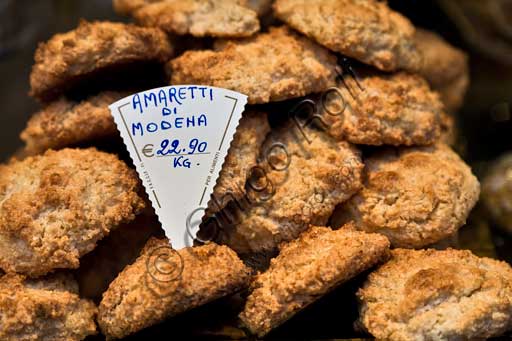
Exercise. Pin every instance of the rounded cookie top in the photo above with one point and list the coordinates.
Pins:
(55, 207)
(414, 196)
(65, 123)
(164, 282)
(219, 18)
(307, 268)
(269, 67)
(437, 295)
(367, 30)
(92, 47)
(397, 109)
(43, 309)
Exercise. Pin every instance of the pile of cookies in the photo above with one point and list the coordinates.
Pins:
(341, 166)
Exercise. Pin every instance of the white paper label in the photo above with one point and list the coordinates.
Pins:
(178, 137)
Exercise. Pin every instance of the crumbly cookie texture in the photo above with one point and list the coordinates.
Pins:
(396, 109)
(219, 18)
(497, 191)
(55, 207)
(242, 157)
(269, 67)
(92, 47)
(162, 283)
(307, 268)
(65, 123)
(367, 30)
(437, 295)
(44, 309)
(414, 196)
(303, 176)
(445, 67)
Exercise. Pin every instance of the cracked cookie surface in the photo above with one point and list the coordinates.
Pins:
(437, 295)
(414, 196)
(397, 109)
(93, 47)
(152, 289)
(307, 268)
(367, 30)
(65, 123)
(55, 207)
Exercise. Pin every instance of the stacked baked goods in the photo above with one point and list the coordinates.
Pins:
(341, 166)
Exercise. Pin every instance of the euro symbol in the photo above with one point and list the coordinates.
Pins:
(147, 150)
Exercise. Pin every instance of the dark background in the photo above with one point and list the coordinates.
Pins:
(485, 132)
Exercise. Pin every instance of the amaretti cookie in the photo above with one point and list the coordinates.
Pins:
(93, 47)
(219, 18)
(44, 309)
(66, 122)
(307, 268)
(396, 109)
(367, 30)
(55, 207)
(163, 282)
(414, 196)
(268, 67)
(437, 295)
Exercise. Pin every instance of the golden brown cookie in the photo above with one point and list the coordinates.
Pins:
(396, 109)
(91, 48)
(219, 18)
(304, 174)
(367, 30)
(242, 156)
(437, 295)
(445, 67)
(414, 196)
(269, 67)
(163, 282)
(66, 122)
(44, 309)
(497, 191)
(307, 268)
(55, 207)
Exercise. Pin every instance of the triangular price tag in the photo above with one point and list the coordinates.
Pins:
(178, 137)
